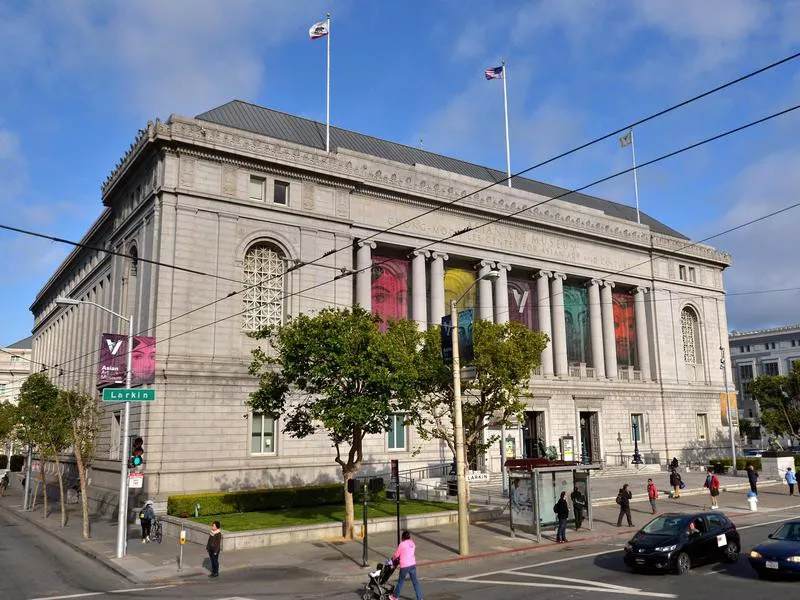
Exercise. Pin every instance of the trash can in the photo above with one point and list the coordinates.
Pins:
(752, 498)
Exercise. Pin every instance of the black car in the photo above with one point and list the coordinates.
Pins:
(677, 541)
(779, 554)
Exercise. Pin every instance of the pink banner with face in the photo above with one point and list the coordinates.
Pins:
(114, 357)
(390, 288)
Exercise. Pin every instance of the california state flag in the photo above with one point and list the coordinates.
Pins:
(318, 30)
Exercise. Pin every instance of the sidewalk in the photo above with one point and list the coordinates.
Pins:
(342, 560)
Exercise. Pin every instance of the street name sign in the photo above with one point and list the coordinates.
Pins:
(128, 395)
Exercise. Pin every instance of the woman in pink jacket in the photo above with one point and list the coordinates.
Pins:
(408, 566)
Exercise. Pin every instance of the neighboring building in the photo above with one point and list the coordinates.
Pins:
(635, 312)
(763, 352)
(15, 366)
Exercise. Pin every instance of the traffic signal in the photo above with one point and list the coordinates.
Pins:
(137, 452)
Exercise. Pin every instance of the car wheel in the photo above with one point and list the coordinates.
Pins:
(366, 595)
(731, 552)
(682, 563)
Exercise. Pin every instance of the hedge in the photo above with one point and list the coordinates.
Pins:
(741, 463)
(17, 460)
(224, 503)
(3, 461)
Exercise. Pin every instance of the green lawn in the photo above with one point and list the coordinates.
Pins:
(333, 513)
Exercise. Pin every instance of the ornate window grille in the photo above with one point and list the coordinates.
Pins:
(264, 292)
(689, 334)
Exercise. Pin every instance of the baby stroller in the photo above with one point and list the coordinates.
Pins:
(377, 589)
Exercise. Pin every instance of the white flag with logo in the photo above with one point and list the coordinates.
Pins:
(626, 139)
(318, 30)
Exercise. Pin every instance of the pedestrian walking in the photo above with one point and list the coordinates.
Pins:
(752, 477)
(673, 466)
(624, 500)
(712, 483)
(676, 482)
(3, 484)
(578, 506)
(561, 509)
(791, 480)
(146, 517)
(652, 495)
(214, 547)
(406, 554)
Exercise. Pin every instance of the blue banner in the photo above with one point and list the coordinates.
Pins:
(466, 350)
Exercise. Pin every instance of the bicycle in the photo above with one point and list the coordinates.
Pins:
(156, 533)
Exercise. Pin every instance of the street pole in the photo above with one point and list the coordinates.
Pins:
(723, 366)
(458, 425)
(122, 517)
(28, 472)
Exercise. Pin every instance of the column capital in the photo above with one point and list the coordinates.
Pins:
(608, 284)
(486, 263)
(367, 244)
(593, 282)
(423, 253)
(641, 290)
(436, 254)
(502, 267)
(543, 275)
(561, 276)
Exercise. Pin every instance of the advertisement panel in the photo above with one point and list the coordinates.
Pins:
(466, 350)
(113, 360)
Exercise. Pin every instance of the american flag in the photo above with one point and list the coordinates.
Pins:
(494, 73)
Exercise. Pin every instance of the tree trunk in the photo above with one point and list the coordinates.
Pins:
(349, 513)
(62, 499)
(84, 495)
(43, 479)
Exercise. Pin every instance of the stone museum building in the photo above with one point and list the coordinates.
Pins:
(218, 225)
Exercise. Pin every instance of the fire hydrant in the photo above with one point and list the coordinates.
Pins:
(752, 498)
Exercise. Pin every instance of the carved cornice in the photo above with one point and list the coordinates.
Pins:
(383, 178)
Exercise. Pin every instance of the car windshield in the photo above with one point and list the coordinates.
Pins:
(790, 532)
(666, 525)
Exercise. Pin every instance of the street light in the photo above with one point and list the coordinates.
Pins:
(458, 422)
(728, 405)
(637, 458)
(122, 517)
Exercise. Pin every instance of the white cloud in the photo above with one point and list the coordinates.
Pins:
(764, 257)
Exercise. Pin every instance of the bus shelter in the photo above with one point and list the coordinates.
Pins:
(535, 485)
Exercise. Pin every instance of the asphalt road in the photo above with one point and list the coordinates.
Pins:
(34, 566)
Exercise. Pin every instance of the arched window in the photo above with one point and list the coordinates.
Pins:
(264, 287)
(134, 254)
(690, 332)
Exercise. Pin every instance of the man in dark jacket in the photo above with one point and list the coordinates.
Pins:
(624, 500)
(752, 477)
(578, 506)
(214, 546)
(562, 513)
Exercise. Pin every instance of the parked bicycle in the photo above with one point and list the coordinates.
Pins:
(156, 532)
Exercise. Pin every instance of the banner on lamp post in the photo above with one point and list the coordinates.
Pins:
(113, 360)
(466, 351)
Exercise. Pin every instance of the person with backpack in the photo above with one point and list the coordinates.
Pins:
(578, 506)
(712, 483)
(652, 495)
(624, 500)
(561, 509)
(146, 517)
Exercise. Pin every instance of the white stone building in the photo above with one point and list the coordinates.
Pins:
(243, 197)
(15, 367)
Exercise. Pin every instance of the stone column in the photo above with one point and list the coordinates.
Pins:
(642, 338)
(364, 275)
(419, 299)
(596, 328)
(438, 309)
(559, 324)
(485, 305)
(545, 320)
(501, 294)
(609, 341)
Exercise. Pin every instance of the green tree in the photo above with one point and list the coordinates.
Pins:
(336, 372)
(45, 424)
(8, 421)
(778, 397)
(83, 415)
(505, 355)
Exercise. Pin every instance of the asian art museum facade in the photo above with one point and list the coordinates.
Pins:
(238, 195)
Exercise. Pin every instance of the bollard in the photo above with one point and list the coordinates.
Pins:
(196, 510)
(180, 555)
(752, 498)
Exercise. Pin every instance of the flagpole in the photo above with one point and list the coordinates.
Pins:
(505, 106)
(328, 91)
(635, 177)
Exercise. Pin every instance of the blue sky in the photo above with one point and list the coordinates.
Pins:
(78, 79)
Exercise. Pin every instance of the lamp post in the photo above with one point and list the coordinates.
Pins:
(122, 517)
(637, 458)
(728, 406)
(458, 423)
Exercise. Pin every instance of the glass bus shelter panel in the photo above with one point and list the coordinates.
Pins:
(550, 486)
